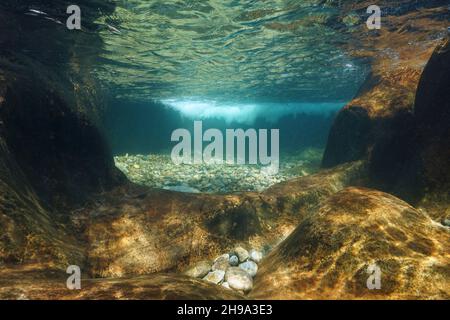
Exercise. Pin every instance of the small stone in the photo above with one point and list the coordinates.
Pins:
(250, 267)
(226, 285)
(226, 255)
(446, 222)
(238, 279)
(215, 276)
(200, 270)
(234, 260)
(221, 263)
(241, 253)
(256, 255)
(136, 166)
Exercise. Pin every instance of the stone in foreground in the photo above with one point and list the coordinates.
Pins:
(200, 270)
(238, 279)
(250, 267)
(329, 254)
(215, 276)
(221, 263)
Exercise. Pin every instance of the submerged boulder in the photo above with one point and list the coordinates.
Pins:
(348, 138)
(332, 252)
(432, 112)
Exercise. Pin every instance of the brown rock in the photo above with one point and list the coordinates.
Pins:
(215, 276)
(241, 253)
(200, 270)
(221, 263)
(328, 255)
(238, 279)
(432, 112)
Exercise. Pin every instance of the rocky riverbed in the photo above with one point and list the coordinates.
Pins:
(234, 270)
(158, 171)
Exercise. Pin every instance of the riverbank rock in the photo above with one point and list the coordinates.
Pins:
(329, 254)
(432, 111)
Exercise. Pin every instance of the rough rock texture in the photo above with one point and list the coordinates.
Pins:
(413, 161)
(398, 52)
(62, 154)
(349, 138)
(405, 139)
(52, 156)
(327, 256)
(56, 206)
(381, 123)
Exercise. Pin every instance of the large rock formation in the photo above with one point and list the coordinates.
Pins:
(384, 123)
(432, 113)
(136, 230)
(413, 161)
(52, 155)
(62, 202)
(328, 254)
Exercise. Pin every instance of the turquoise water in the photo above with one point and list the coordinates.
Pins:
(238, 52)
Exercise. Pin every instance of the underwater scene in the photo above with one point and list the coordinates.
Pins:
(225, 150)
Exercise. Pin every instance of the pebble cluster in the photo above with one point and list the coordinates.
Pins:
(234, 270)
(158, 171)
